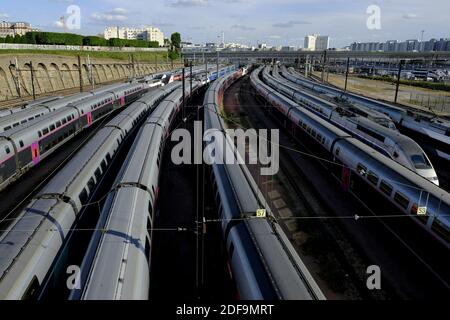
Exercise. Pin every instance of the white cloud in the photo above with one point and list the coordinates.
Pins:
(409, 16)
(58, 24)
(3, 15)
(116, 14)
(187, 3)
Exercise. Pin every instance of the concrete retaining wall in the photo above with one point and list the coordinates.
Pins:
(53, 73)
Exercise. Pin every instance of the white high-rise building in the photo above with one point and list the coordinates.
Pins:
(310, 43)
(146, 33)
(322, 43)
(317, 42)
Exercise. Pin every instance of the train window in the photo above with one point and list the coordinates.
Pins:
(37, 116)
(108, 158)
(15, 124)
(45, 131)
(83, 196)
(23, 121)
(39, 134)
(362, 170)
(52, 127)
(91, 184)
(373, 178)
(21, 143)
(31, 118)
(103, 165)
(98, 174)
(58, 124)
(7, 128)
(64, 121)
(402, 200)
(32, 290)
(7, 150)
(420, 161)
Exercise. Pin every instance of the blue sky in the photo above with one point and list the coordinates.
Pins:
(276, 22)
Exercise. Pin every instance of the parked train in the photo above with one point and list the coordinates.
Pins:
(345, 106)
(263, 262)
(114, 269)
(390, 143)
(27, 145)
(436, 130)
(363, 170)
(44, 106)
(9, 111)
(36, 242)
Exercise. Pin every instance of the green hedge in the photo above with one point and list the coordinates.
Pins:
(421, 84)
(70, 39)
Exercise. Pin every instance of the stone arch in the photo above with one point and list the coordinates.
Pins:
(67, 76)
(25, 79)
(5, 88)
(114, 71)
(102, 73)
(43, 78)
(98, 78)
(109, 73)
(86, 76)
(122, 70)
(55, 77)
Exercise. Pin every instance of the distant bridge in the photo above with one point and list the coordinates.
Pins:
(295, 56)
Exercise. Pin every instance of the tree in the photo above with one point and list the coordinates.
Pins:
(167, 43)
(9, 39)
(176, 41)
(175, 50)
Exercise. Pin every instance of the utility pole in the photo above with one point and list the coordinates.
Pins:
(184, 94)
(190, 78)
(32, 80)
(398, 79)
(217, 64)
(346, 74)
(80, 73)
(323, 65)
(19, 88)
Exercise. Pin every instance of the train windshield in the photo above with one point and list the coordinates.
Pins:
(420, 161)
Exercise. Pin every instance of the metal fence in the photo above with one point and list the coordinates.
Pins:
(437, 103)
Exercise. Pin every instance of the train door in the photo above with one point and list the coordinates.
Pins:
(89, 118)
(35, 154)
(346, 178)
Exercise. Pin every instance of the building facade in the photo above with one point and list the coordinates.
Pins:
(412, 45)
(146, 33)
(14, 28)
(316, 42)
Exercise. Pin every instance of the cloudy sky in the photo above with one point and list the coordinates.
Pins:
(276, 22)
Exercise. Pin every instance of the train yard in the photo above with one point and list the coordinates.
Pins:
(88, 184)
